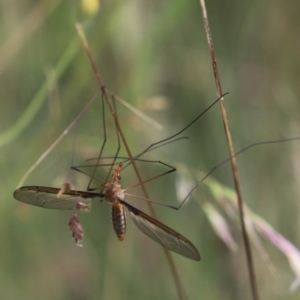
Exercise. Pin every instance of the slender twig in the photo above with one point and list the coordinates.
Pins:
(54, 144)
(231, 152)
(106, 94)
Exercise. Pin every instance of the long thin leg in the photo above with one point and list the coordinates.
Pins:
(228, 159)
(97, 165)
(182, 130)
(172, 169)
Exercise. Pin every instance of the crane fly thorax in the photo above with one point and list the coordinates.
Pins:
(114, 194)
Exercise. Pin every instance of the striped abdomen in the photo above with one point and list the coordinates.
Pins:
(118, 215)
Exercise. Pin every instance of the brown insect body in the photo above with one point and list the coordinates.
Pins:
(118, 216)
(114, 194)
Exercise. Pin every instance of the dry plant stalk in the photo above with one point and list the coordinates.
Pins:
(231, 152)
(106, 95)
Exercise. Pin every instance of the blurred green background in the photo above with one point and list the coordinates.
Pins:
(154, 55)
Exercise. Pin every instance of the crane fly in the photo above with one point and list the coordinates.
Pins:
(112, 192)
(48, 197)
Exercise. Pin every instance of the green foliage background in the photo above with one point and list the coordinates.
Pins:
(148, 52)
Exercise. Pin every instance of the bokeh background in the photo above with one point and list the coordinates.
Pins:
(154, 55)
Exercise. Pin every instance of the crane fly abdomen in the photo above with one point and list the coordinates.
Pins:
(118, 215)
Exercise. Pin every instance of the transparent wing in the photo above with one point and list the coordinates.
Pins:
(49, 197)
(163, 234)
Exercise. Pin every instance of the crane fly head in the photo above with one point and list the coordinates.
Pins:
(117, 174)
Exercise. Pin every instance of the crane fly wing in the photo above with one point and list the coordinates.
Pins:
(162, 234)
(48, 197)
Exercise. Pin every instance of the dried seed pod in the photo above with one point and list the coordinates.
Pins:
(76, 229)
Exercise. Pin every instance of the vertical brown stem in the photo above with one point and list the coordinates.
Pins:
(231, 153)
(180, 290)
